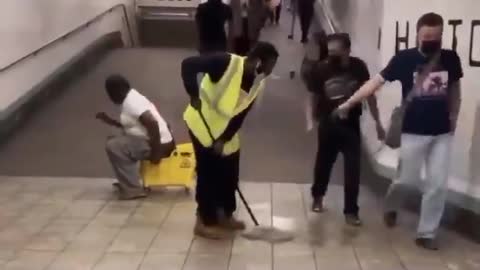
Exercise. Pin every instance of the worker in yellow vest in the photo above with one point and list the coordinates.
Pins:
(214, 116)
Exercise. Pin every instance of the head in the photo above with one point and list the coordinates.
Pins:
(117, 88)
(263, 58)
(429, 33)
(338, 48)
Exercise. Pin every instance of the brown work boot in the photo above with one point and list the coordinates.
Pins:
(231, 223)
(214, 232)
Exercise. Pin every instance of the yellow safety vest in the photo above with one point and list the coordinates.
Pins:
(222, 101)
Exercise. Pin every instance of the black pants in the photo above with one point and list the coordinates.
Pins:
(208, 47)
(242, 43)
(275, 14)
(217, 180)
(333, 138)
(305, 12)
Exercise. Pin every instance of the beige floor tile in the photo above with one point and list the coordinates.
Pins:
(32, 223)
(206, 246)
(250, 262)
(55, 237)
(6, 255)
(120, 261)
(206, 262)
(82, 209)
(31, 260)
(47, 209)
(76, 260)
(292, 248)
(172, 241)
(148, 215)
(99, 237)
(133, 239)
(155, 261)
(97, 194)
(304, 262)
(337, 263)
(243, 246)
(111, 220)
(14, 237)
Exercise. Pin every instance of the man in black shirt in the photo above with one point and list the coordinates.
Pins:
(430, 77)
(211, 18)
(333, 81)
(218, 167)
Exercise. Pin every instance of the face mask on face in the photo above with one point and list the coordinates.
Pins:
(431, 47)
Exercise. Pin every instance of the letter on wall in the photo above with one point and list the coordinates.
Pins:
(454, 24)
(399, 39)
(473, 62)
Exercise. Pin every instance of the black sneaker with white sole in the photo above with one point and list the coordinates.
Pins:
(353, 220)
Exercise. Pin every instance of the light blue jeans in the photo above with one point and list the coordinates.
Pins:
(434, 152)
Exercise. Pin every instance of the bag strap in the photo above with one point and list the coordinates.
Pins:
(422, 77)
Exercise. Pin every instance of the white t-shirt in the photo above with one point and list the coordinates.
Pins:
(134, 105)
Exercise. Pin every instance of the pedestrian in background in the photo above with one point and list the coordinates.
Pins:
(211, 18)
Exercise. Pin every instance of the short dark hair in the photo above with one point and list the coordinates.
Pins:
(263, 51)
(117, 87)
(343, 38)
(429, 19)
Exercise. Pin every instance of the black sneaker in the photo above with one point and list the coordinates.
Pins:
(426, 243)
(390, 219)
(317, 205)
(353, 220)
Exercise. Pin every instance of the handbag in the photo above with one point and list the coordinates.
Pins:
(394, 133)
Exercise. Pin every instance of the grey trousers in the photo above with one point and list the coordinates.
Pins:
(124, 153)
(434, 152)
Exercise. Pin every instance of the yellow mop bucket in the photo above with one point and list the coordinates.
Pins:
(176, 170)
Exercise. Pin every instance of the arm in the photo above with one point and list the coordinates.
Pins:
(367, 90)
(455, 100)
(390, 73)
(151, 125)
(372, 105)
(108, 120)
(234, 125)
(213, 65)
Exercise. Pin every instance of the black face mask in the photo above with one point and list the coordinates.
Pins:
(335, 61)
(431, 47)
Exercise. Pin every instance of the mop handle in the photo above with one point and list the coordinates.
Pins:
(254, 219)
(247, 206)
(206, 125)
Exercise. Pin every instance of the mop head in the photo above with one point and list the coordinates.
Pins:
(268, 234)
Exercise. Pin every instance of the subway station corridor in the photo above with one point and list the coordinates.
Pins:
(59, 211)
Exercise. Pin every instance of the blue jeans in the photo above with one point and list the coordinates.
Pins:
(434, 152)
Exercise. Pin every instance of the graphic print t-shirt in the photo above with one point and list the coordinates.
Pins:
(428, 112)
(334, 86)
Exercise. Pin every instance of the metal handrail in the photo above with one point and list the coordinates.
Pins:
(81, 27)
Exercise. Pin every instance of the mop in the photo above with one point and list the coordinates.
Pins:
(258, 232)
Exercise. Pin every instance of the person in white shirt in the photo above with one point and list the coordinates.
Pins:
(145, 136)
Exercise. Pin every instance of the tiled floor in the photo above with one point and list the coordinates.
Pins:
(76, 224)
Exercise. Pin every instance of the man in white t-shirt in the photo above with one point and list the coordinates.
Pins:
(145, 136)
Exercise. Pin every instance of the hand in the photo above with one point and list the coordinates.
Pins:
(196, 103)
(156, 154)
(218, 146)
(453, 125)
(102, 116)
(342, 111)
(381, 134)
